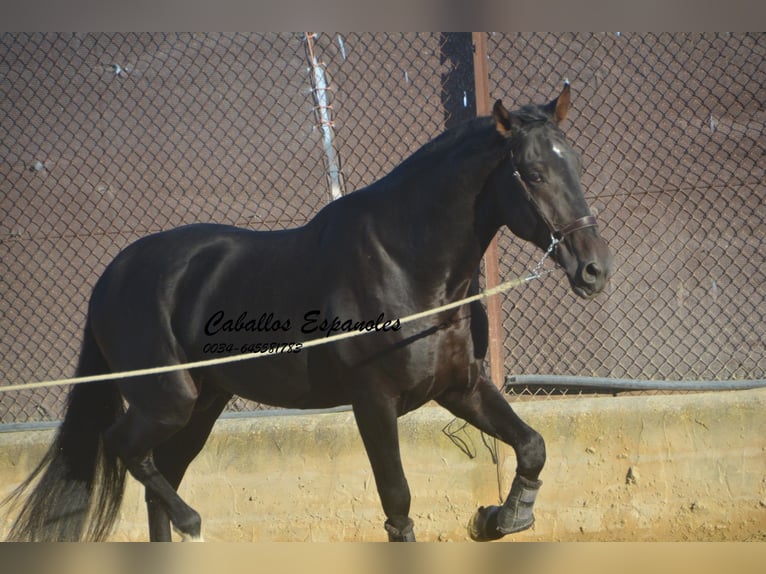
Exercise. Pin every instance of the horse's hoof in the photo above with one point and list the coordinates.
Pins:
(405, 534)
(190, 535)
(483, 526)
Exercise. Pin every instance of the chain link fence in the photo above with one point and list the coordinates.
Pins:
(105, 138)
(672, 132)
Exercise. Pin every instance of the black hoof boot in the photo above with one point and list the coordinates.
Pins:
(516, 513)
(406, 534)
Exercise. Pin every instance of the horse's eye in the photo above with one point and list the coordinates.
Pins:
(535, 177)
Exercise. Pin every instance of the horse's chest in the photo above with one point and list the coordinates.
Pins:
(451, 367)
(455, 364)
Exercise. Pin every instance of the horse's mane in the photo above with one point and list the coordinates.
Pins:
(468, 137)
(445, 154)
(532, 114)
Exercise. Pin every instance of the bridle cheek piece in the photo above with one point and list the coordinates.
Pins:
(557, 234)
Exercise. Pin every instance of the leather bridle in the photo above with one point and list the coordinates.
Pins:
(557, 234)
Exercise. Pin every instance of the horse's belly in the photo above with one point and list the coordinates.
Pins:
(280, 381)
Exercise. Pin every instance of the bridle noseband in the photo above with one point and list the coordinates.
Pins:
(577, 224)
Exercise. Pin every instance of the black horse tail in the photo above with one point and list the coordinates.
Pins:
(80, 486)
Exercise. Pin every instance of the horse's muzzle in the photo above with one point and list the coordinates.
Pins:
(591, 279)
(588, 265)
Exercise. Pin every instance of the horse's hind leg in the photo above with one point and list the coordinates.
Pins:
(159, 407)
(487, 409)
(173, 457)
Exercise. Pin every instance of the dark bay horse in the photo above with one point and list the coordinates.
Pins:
(411, 241)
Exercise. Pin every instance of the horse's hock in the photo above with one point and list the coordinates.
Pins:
(665, 467)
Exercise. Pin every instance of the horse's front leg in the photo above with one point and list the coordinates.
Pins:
(487, 409)
(376, 418)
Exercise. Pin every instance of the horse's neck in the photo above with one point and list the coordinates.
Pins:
(487, 219)
(431, 230)
(424, 213)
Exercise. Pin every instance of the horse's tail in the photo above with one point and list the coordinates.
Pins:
(80, 486)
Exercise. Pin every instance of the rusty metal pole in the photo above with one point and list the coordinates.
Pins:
(491, 258)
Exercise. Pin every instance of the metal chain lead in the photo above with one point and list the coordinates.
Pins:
(538, 272)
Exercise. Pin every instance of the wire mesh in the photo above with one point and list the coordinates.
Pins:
(105, 138)
(671, 128)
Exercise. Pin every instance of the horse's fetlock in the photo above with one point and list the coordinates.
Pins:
(190, 527)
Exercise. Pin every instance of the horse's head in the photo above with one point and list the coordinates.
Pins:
(540, 196)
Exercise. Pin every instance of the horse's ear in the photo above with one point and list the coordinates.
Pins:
(503, 121)
(559, 107)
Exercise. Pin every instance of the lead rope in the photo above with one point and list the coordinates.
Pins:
(537, 273)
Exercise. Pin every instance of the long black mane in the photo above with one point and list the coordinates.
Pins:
(448, 152)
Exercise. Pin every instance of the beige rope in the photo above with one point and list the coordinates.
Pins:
(501, 288)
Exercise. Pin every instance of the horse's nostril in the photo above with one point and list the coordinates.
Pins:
(591, 273)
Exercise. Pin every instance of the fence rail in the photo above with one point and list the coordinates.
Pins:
(107, 137)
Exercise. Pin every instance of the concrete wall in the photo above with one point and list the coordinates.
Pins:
(679, 467)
